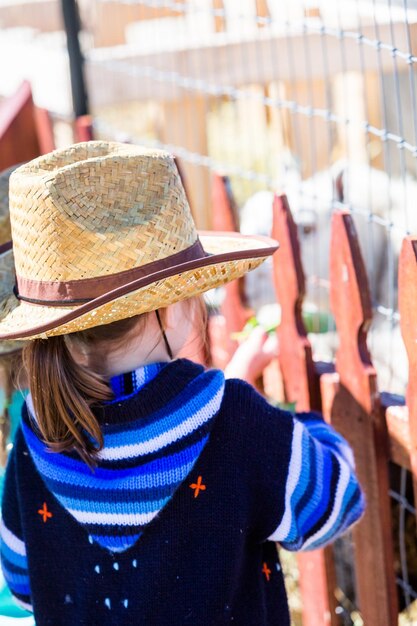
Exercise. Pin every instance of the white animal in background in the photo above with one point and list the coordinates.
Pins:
(377, 200)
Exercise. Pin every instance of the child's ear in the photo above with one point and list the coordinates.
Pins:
(175, 315)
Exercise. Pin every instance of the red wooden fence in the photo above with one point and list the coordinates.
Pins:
(25, 131)
(348, 397)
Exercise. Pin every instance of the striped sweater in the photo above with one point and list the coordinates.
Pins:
(176, 525)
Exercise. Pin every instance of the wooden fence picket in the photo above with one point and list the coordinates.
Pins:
(297, 366)
(234, 312)
(407, 298)
(355, 411)
(19, 139)
(83, 128)
(301, 384)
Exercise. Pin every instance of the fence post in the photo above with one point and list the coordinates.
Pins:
(71, 19)
(234, 312)
(45, 130)
(18, 133)
(355, 411)
(83, 128)
(407, 298)
(295, 356)
(219, 16)
(301, 383)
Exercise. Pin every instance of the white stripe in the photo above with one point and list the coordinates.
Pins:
(30, 407)
(347, 454)
(23, 605)
(120, 519)
(294, 471)
(342, 484)
(12, 542)
(183, 429)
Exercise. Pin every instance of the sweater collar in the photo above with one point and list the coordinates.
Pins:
(152, 440)
(128, 384)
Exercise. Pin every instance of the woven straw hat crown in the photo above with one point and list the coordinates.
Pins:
(95, 209)
(103, 231)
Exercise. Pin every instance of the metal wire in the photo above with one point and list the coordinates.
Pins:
(317, 120)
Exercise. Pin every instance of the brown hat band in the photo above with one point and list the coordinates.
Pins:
(70, 292)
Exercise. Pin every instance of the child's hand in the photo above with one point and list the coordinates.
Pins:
(252, 356)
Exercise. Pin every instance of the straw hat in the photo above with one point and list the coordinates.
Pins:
(102, 231)
(6, 261)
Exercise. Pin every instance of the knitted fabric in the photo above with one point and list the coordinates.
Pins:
(141, 464)
(205, 558)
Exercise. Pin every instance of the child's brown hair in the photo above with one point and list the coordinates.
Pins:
(65, 391)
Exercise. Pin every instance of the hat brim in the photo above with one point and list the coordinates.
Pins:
(7, 278)
(229, 256)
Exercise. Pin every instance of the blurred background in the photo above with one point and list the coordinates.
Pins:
(315, 99)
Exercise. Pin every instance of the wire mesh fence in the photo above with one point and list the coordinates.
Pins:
(316, 99)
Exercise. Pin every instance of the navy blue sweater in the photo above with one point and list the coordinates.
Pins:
(177, 524)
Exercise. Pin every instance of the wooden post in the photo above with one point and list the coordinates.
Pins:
(375, 149)
(83, 128)
(219, 19)
(301, 383)
(45, 130)
(296, 360)
(18, 133)
(198, 347)
(234, 313)
(262, 10)
(355, 411)
(348, 95)
(407, 297)
(310, 135)
(225, 211)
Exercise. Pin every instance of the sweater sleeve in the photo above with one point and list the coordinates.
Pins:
(12, 547)
(322, 494)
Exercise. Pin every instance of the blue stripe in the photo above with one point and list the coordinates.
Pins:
(341, 523)
(119, 543)
(14, 569)
(319, 510)
(120, 493)
(296, 536)
(194, 387)
(326, 435)
(50, 465)
(13, 557)
(200, 391)
(302, 484)
(140, 377)
(312, 480)
(330, 479)
(317, 493)
(16, 582)
(134, 507)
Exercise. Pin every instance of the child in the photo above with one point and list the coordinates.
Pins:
(143, 489)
